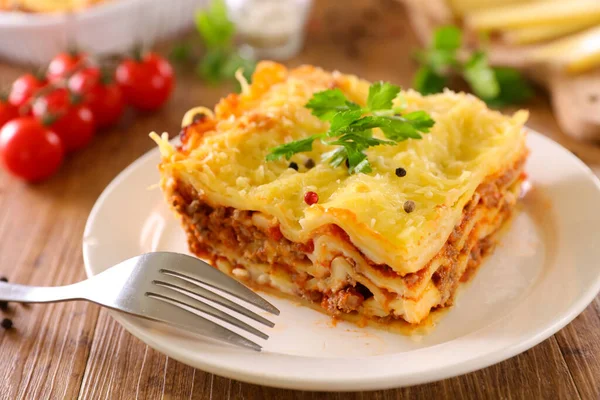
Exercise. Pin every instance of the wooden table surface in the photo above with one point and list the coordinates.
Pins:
(76, 350)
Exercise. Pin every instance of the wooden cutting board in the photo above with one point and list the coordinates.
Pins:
(575, 97)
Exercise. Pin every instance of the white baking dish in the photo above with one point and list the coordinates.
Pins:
(111, 27)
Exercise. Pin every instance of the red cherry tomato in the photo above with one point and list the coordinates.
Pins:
(24, 88)
(146, 84)
(63, 64)
(72, 122)
(107, 104)
(52, 104)
(104, 98)
(83, 81)
(30, 151)
(7, 112)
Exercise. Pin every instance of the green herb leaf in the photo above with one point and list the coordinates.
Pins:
(234, 62)
(420, 120)
(480, 76)
(427, 81)
(514, 89)
(336, 157)
(359, 141)
(327, 103)
(212, 64)
(496, 86)
(220, 64)
(214, 26)
(342, 120)
(447, 38)
(441, 56)
(358, 161)
(381, 96)
(352, 130)
(289, 149)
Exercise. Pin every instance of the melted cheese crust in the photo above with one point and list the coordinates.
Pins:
(223, 158)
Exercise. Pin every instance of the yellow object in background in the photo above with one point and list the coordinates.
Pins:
(533, 14)
(563, 34)
(462, 7)
(47, 6)
(576, 53)
(542, 33)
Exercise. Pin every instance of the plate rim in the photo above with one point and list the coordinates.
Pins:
(343, 384)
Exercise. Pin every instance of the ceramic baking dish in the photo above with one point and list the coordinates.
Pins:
(110, 27)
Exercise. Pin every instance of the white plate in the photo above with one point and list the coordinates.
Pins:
(542, 275)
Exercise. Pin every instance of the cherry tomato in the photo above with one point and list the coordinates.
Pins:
(24, 88)
(30, 151)
(147, 83)
(7, 112)
(63, 64)
(52, 104)
(73, 122)
(83, 81)
(104, 98)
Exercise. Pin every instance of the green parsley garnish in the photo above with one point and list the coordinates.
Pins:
(220, 58)
(496, 86)
(351, 126)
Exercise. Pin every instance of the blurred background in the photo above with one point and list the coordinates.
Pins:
(101, 74)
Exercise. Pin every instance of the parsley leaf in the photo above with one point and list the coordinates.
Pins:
(381, 96)
(336, 157)
(442, 54)
(427, 81)
(342, 120)
(214, 26)
(480, 76)
(351, 127)
(327, 103)
(420, 120)
(408, 126)
(447, 38)
(211, 66)
(352, 149)
(289, 149)
(496, 86)
(514, 89)
(221, 59)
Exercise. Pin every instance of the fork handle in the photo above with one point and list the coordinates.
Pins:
(37, 294)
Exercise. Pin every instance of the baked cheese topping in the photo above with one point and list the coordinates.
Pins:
(223, 158)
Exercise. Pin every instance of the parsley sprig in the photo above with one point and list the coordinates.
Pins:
(351, 126)
(220, 58)
(496, 86)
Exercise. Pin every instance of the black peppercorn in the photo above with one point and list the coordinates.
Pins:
(409, 206)
(309, 163)
(400, 172)
(3, 279)
(6, 323)
(293, 165)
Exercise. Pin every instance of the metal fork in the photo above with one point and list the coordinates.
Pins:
(159, 286)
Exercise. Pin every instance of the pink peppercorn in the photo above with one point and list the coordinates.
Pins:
(311, 198)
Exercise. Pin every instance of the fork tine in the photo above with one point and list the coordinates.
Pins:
(188, 321)
(194, 269)
(173, 295)
(177, 282)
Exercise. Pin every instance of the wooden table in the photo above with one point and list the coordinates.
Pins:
(76, 350)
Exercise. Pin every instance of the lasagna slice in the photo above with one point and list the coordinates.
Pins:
(391, 244)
